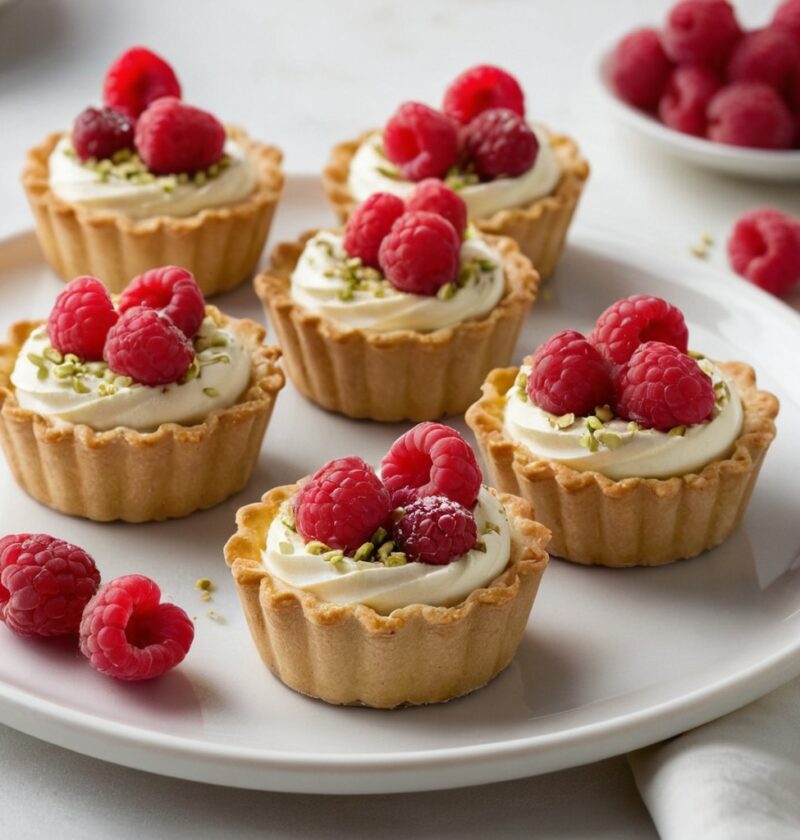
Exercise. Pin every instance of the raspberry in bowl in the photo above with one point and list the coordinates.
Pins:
(517, 179)
(433, 595)
(145, 409)
(633, 449)
(402, 314)
(146, 180)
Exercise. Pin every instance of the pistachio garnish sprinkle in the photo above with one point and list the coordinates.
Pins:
(316, 547)
(604, 413)
(677, 431)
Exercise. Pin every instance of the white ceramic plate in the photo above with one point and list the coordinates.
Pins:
(612, 660)
(732, 160)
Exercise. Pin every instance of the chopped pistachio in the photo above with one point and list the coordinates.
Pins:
(334, 556)
(609, 439)
(35, 359)
(285, 547)
(379, 536)
(604, 413)
(563, 421)
(389, 173)
(385, 550)
(79, 387)
(695, 355)
(123, 381)
(447, 291)
(200, 178)
(588, 442)
(219, 340)
(64, 371)
(364, 552)
(398, 513)
(71, 358)
(41, 373)
(486, 265)
(633, 427)
(211, 392)
(317, 547)
(491, 528)
(480, 545)
(204, 583)
(52, 355)
(521, 381)
(215, 616)
(677, 431)
(345, 294)
(213, 170)
(287, 517)
(396, 558)
(593, 423)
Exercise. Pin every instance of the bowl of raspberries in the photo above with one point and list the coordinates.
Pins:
(711, 91)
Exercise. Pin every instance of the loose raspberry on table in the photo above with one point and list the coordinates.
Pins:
(128, 634)
(701, 32)
(479, 89)
(369, 224)
(661, 388)
(99, 133)
(499, 143)
(435, 530)
(771, 56)
(764, 247)
(431, 460)
(640, 69)
(172, 137)
(137, 78)
(171, 290)
(81, 318)
(421, 142)
(148, 347)
(569, 376)
(421, 253)
(434, 196)
(685, 101)
(44, 584)
(750, 114)
(342, 505)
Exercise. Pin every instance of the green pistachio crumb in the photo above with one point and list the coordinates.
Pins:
(79, 387)
(677, 431)
(213, 170)
(204, 583)
(594, 423)
(364, 552)
(589, 442)
(609, 439)
(447, 291)
(385, 550)
(285, 547)
(200, 178)
(218, 340)
(334, 556)
(486, 265)
(345, 294)
(52, 355)
(389, 173)
(563, 421)
(64, 371)
(316, 547)
(211, 392)
(491, 528)
(604, 413)
(398, 513)
(396, 558)
(633, 427)
(480, 545)
(379, 536)
(35, 359)
(41, 373)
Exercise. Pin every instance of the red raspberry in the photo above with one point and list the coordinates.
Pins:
(689, 90)
(660, 388)
(171, 290)
(500, 144)
(787, 16)
(750, 114)
(431, 460)
(701, 32)
(172, 137)
(569, 375)
(421, 142)
(44, 584)
(342, 505)
(771, 56)
(435, 530)
(764, 247)
(98, 134)
(81, 318)
(479, 89)
(640, 69)
(148, 347)
(631, 321)
(137, 78)
(368, 226)
(435, 197)
(126, 633)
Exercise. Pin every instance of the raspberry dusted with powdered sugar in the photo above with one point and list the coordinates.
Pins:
(171, 290)
(81, 318)
(435, 530)
(499, 143)
(137, 78)
(421, 142)
(100, 133)
(369, 225)
(479, 89)
(764, 247)
(433, 196)
(640, 69)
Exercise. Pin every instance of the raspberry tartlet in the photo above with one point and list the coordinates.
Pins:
(148, 180)
(147, 409)
(401, 315)
(633, 450)
(518, 180)
(407, 588)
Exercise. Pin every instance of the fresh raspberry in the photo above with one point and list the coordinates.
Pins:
(435, 530)
(369, 224)
(631, 321)
(44, 584)
(99, 133)
(126, 633)
(421, 253)
(499, 143)
(431, 460)
(771, 56)
(342, 505)
(148, 347)
(81, 318)
(171, 290)
(750, 114)
(433, 196)
(137, 78)
(569, 375)
(689, 90)
(640, 69)
(787, 16)
(701, 32)
(479, 89)
(172, 137)
(764, 247)
(421, 142)
(660, 388)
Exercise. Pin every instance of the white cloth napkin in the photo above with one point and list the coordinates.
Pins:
(737, 778)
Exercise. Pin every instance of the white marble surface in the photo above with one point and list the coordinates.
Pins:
(302, 75)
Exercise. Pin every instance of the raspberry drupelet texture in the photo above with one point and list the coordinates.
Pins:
(369, 225)
(685, 101)
(701, 32)
(499, 143)
(629, 322)
(171, 290)
(479, 89)
(750, 114)
(435, 530)
(45, 583)
(137, 78)
(99, 133)
(771, 56)
(764, 247)
(81, 318)
(431, 460)
(787, 16)
(342, 505)
(433, 196)
(640, 69)
(127, 633)
(421, 142)
(569, 375)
